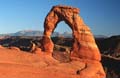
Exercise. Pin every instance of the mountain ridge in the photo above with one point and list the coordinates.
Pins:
(40, 33)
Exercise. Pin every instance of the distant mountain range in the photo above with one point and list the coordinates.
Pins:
(36, 33)
(40, 33)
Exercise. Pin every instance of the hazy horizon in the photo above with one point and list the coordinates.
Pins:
(102, 16)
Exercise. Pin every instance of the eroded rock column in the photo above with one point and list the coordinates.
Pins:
(84, 44)
(49, 26)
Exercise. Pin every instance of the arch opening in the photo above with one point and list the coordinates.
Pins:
(62, 27)
(63, 41)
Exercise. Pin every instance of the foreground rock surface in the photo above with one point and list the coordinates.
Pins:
(14, 64)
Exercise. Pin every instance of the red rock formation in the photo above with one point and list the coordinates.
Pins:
(84, 44)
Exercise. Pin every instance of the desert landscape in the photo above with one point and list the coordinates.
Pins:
(59, 39)
(23, 57)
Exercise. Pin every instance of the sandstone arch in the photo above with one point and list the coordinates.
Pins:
(84, 45)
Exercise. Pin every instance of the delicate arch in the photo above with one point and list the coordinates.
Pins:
(84, 45)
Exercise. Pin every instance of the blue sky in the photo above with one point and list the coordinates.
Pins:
(102, 16)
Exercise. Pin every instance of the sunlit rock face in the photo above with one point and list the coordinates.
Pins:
(84, 45)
